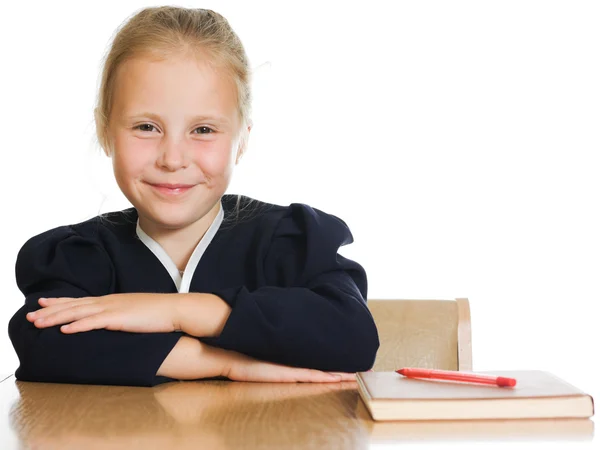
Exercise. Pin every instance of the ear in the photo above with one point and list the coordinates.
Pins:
(243, 144)
(240, 153)
(98, 124)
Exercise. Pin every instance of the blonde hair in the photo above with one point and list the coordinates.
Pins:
(160, 32)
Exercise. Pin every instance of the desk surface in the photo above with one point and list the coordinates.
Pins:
(230, 415)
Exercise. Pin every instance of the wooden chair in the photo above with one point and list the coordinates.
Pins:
(434, 334)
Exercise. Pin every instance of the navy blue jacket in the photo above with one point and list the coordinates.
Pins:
(294, 299)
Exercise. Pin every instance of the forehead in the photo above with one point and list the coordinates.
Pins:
(177, 84)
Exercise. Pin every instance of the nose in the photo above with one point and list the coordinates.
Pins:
(173, 155)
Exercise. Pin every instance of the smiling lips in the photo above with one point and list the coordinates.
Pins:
(172, 189)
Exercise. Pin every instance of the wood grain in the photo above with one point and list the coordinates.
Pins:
(465, 346)
(434, 334)
(226, 415)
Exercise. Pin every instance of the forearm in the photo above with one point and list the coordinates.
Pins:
(327, 327)
(191, 359)
(202, 315)
(93, 357)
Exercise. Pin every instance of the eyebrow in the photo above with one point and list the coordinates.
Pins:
(201, 117)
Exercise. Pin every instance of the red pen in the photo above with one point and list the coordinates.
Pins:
(457, 376)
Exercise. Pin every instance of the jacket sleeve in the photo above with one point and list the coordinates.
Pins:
(312, 312)
(61, 263)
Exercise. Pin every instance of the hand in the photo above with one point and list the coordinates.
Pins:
(240, 367)
(137, 313)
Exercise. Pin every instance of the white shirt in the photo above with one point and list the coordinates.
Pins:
(182, 279)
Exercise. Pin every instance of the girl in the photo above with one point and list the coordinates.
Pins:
(189, 283)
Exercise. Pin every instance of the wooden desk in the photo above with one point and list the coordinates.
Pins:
(229, 415)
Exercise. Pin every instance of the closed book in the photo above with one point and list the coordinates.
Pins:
(537, 395)
(478, 430)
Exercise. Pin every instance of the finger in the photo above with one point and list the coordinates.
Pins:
(277, 373)
(346, 376)
(318, 376)
(96, 322)
(46, 301)
(67, 315)
(49, 310)
(312, 376)
(104, 320)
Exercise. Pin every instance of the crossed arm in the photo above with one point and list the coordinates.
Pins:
(148, 313)
(196, 314)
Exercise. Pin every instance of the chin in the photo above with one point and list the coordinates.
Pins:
(175, 216)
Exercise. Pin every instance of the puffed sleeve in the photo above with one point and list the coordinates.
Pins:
(62, 263)
(312, 312)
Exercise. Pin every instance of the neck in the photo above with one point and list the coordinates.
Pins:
(180, 243)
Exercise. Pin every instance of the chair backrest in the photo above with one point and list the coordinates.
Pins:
(433, 334)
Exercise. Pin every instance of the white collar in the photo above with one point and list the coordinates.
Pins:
(182, 281)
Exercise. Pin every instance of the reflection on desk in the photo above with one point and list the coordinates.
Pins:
(231, 415)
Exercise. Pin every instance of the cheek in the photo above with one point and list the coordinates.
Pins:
(216, 161)
(131, 157)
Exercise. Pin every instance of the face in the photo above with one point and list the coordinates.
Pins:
(175, 137)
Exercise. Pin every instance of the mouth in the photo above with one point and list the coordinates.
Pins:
(171, 189)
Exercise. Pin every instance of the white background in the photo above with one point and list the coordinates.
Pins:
(458, 140)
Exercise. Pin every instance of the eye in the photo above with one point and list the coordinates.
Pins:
(150, 127)
(209, 130)
(139, 127)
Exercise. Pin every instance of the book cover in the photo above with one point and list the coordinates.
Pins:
(537, 395)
